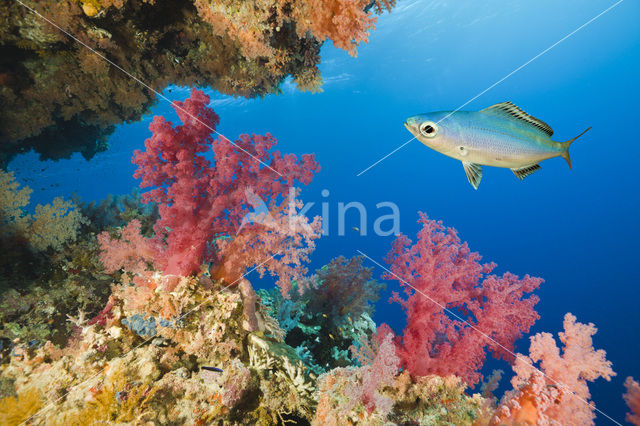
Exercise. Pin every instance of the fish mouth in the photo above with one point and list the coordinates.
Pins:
(409, 128)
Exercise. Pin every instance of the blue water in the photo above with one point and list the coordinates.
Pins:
(579, 229)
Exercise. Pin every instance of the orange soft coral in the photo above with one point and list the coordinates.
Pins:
(344, 22)
(632, 398)
(558, 391)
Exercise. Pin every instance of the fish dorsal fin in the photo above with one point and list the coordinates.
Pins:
(510, 110)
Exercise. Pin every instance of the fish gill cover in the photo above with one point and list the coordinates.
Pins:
(138, 310)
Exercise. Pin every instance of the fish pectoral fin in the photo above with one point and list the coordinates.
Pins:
(473, 172)
(523, 172)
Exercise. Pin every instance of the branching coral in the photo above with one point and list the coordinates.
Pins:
(558, 391)
(345, 22)
(117, 211)
(442, 276)
(343, 288)
(281, 245)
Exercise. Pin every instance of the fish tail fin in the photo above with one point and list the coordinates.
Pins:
(565, 154)
(565, 146)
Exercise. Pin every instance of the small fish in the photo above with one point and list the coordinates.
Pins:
(331, 335)
(324, 315)
(501, 135)
(217, 370)
(355, 228)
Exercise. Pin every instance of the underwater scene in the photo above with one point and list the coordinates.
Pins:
(319, 212)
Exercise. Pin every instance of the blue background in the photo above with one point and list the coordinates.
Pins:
(578, 229)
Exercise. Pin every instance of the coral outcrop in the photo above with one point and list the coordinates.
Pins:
(59, 95)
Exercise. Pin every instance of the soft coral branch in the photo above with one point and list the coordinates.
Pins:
(558, 390)
(441, 276)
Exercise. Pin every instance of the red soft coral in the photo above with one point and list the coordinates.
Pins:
(454, 310)
(558, 391)
(200, 200)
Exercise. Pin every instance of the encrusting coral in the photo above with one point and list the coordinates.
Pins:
(115, 373)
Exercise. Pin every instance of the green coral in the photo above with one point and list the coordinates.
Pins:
(332, 313)
(51, 226)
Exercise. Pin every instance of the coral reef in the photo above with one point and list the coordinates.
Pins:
(139, 310)
(441, 276)
(41, 288)
(237, 47)
(116, 211)
(123, 369)
(425, 400)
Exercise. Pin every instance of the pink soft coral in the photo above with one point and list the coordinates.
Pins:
(441, 275)
(282, 232)
(201, 200)
(380, 372)
(558, 391)
(130, 250)
(632, 398)
(341, 390)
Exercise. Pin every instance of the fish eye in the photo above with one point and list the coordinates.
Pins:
(429, 129)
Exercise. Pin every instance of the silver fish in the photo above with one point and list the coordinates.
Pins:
(501, 135)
